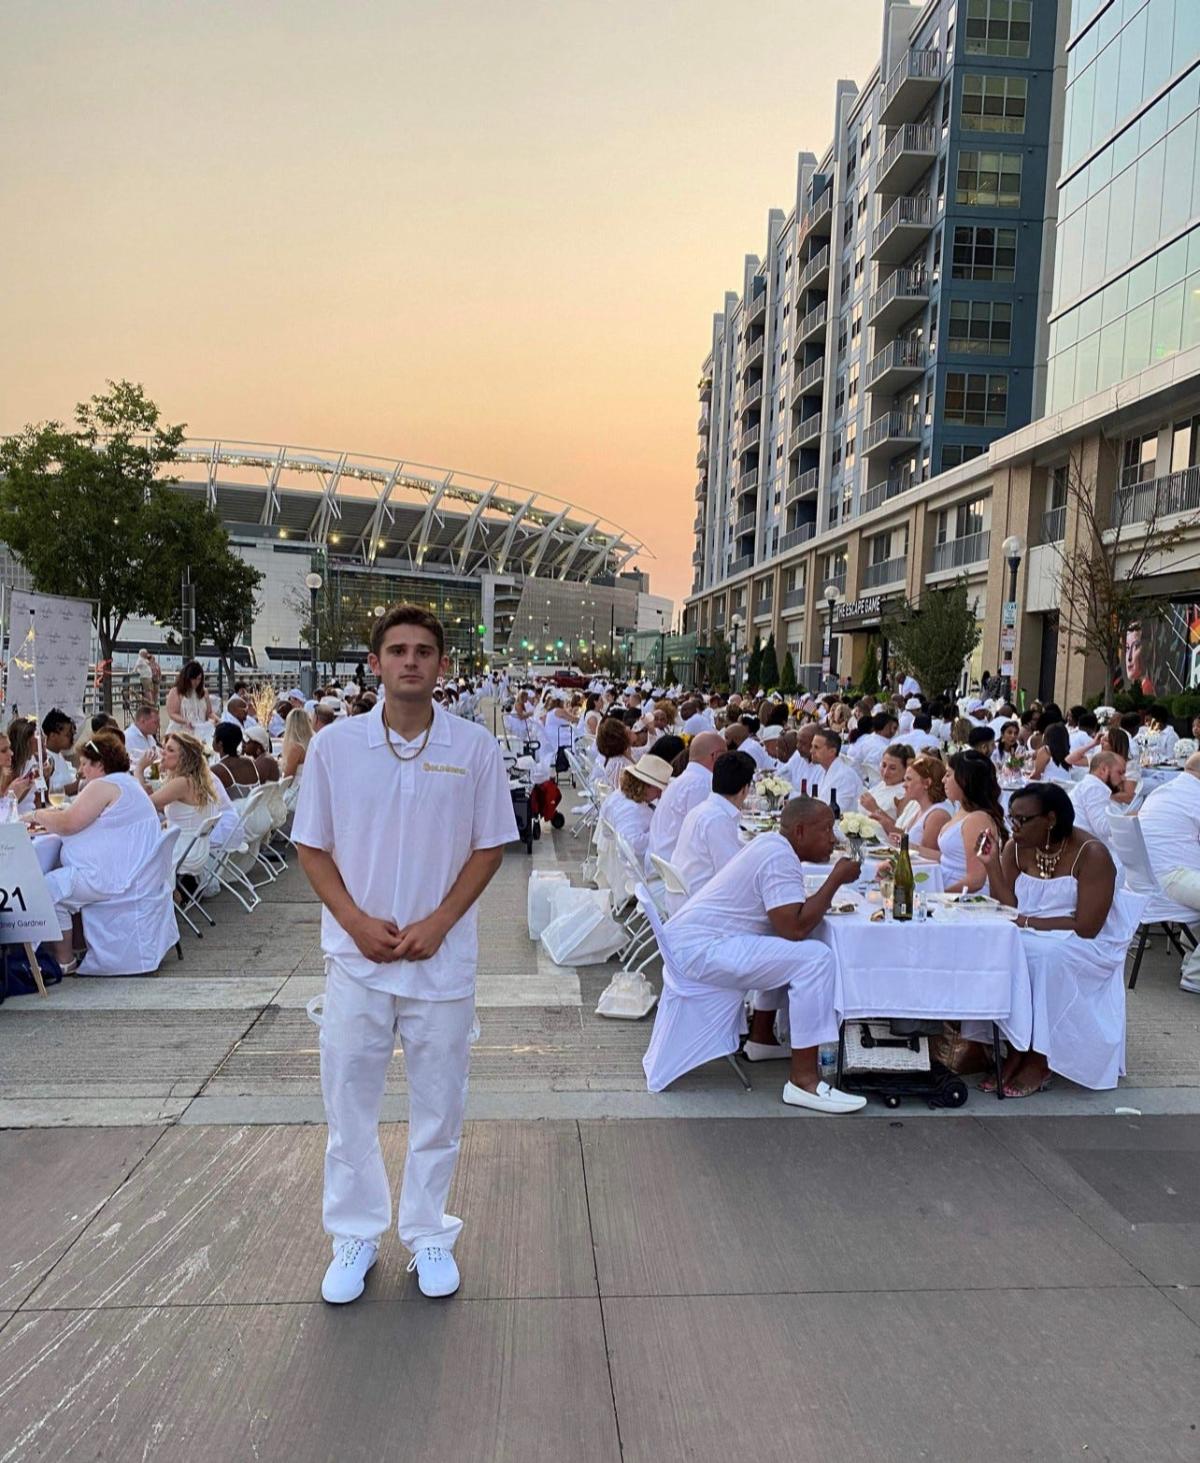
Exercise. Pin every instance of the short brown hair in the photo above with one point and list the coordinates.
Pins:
(405, 614)
(106, 747)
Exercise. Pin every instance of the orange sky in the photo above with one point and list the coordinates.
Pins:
(480, 235)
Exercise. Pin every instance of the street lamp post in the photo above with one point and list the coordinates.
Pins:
(735, 626)
(832, 594)
(312, 582)
(1013, 548)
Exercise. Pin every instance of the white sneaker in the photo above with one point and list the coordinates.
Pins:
(762, 1051)
(826, 1099)
(437, 1274)
(347, 1273)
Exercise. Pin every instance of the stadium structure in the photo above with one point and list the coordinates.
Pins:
(515, 575)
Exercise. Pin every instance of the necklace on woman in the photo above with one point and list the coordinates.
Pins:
(412, 756)
(1046, 860)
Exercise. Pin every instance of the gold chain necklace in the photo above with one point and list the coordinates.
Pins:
(1046, 860)
(412, 756)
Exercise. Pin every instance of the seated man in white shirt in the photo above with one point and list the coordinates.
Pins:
(742, 736)
(1170, 822)
(799, 769)
(1083, 729)
(696, 718)
(1159, 725)
(921, 737)
(868, 750)
(58, 736)
(1093, 796)
(681, 795)
(709, 837)
(748, 929)
(141, 735)
(836, 776)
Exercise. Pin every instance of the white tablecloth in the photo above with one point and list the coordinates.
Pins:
(972, 968)
(932, 883)
(48, 847)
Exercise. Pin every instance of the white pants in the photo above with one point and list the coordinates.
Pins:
(798, 973)
(1183, 885)
(358, 1036)
(71, 892)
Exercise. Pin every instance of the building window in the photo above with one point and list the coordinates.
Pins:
(1185, 440)
(1139, 459)
(994, 103)
(989, 180)
(998, 28)
(980, 327)
(985, 254)
(974, 399)
(954, 454)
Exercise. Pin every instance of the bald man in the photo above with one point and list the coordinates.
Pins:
(682, 794)
(1093, 796)
(749, 929)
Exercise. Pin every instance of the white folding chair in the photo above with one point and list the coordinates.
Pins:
(1174, 919)
(673, 880)
(224, 866)
(191, 861)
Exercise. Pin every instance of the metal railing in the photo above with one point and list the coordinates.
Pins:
(763, 606)
(916, 65)
(1177, 492)
(890, 571)
(917, 211)
(751, 396)
(702, 457)
(756, 304)
(900, 355)
(749, 439)
(822, 206)
(972, 548)
(838, 581)
(884, 492)
(901, 284)
(704, 426)
(754, 353)
(813, 374)
(812, 322)
(1054, 525)
(793, 599)
(893, 424)
(803, 483)
(816, 265)
(739, 565)
(911, 137)
(745, 524)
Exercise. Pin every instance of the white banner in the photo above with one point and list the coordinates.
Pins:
(26, 909)
(54, 635)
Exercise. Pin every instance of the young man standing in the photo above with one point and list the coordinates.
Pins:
(402, 820)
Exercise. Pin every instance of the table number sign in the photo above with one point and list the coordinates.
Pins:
(26, 908)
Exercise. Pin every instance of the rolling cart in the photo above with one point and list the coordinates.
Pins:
(876, 1061)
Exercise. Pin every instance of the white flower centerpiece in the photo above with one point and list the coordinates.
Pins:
(857, 829)
(775, 790)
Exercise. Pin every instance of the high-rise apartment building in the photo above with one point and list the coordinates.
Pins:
(988, 276)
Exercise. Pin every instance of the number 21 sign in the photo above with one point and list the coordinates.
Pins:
(26, 909)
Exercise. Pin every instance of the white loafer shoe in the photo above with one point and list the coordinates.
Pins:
(437, 1274)
(761, 1051)
(347, 1273)
(826, 1099)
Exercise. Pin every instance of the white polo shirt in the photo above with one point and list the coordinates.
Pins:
(708, 840)
(765, 875)
(1170, 822)
(679, 797)
(400, 833)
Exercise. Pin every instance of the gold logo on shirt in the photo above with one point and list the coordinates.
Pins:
(443, 767)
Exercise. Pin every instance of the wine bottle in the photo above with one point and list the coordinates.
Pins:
(833, 804)
(904, 886)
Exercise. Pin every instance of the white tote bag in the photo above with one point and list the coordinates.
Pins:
(542, 885)
(583, 931)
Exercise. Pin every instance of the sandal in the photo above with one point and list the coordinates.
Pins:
(1014, 1089)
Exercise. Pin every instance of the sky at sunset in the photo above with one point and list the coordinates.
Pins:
(485, 235)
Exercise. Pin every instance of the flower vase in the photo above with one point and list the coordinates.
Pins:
(855, 840)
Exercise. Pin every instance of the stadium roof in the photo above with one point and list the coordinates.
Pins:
(380, 509)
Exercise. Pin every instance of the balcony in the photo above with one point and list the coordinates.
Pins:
(702, 455)
(904, 226)
(701, 490)
(1054, 525)
(895, 366)
(957, 553)
(838, 581)
(910, 86)
(898, 299)
(749, 439)
(909, 155)
(698, 523)
(756, 306)
(884, 492)
(812, 377)
(890, 571)
(748, 481)
(808, 431)
(812, 324)
(750, 397)
(793, 599)
(803, 485)
(698, 555)
(1178, 492)
(706, 388)
(793, 539)
(762, 608)
(815, 274)
(891, 433)
(704, 426)
(739, 566)
(819, 218)
(745, 524)
(754, 354)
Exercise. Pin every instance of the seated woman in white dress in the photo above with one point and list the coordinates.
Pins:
(925, 811)
(886, 798)
(628, 812)
(1060, 878)
(109, 835)
(613, 743)
(970, 783)
(1050, 761)
(188, 704)
(189, 793)
(297, 734)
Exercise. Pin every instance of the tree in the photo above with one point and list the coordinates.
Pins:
(343, 622)
(754, 665)
(787, 676)
(718, 662)
(936, 636)
(869, 679)
(769, 668)
(1102, 576)
(87, 513)
(671, 678)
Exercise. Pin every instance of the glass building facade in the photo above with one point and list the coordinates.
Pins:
(1127, 272)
